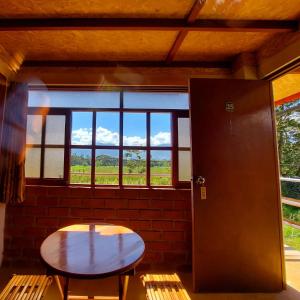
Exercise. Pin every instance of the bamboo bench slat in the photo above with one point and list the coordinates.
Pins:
(26, 287)
(164, 287)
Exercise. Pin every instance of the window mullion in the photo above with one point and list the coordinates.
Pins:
(43, 147)
(148, 150)
(121, 139)
(93, 167)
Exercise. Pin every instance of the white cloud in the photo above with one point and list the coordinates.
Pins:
(83, 136)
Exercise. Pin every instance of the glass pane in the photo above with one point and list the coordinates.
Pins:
(156, 100)
(160, 129)
(55, 130)
(82, 128)
(134, 129)
(184, 132)
(33, 162)
(160, 168)
(107, 166)
(75, 99)
(34, 129)
(184, 165)
(54, 163)
(134, 167)
(107, 132)
(81, 166)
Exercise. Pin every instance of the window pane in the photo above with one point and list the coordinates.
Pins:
(160, 129)
(134, 167)
(134, 129)
(156, 100)
(81, 166)
(54, 163)
(184, 165)
(75, 99)
(184, 132)
(107, 132)
(107, 166)
(160, 165)
(82, 128)
(55, 130)
(34, 129)
(33, 162)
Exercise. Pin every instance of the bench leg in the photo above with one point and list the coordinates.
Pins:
(123, 284)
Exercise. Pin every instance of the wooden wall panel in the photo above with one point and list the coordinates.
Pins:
(237, 234)
(2, 99)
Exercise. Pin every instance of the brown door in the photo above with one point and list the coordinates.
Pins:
(237, 236)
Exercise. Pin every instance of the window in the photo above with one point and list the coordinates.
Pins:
(108, 138)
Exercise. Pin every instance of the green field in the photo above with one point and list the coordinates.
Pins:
(291, 236)
(109, 175)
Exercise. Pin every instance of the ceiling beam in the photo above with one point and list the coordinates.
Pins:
(127, 64)
(190, 19)
(148, 24)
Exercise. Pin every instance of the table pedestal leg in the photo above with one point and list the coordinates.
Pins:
(66, 288)
(123, 284)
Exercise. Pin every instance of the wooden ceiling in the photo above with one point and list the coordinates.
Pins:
(166, 32)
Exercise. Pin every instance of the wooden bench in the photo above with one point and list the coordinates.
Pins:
(164, 286)
(25, 287)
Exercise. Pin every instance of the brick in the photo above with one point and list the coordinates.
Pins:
(34, 231)
(162, 225)
(173, 236)
(180, 204)
(127, 193)
(20, 221)
(149, 194)
(181, 246)
(59, 191)
(81, 212)
(150, 235)
(85, 192)
(70, 202)
(173, 214)
(158, 246)
(183, 225)
(119, 222)
(175, 257)
(104, 213)
(34, 211)
(30, 200)
(128, 213)
(47, 201)
(140, 225)
(36, 190)
(152, 257)
(162, 204)
(93, 203)
(15, 210)
(138, 204)
(58, 212)
(105, 193)
(150, 214)
(47, 221)
(116, 203)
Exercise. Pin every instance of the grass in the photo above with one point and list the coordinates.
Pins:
(109, 175)
(291, 236)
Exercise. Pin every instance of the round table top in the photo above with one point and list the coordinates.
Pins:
(92, 250)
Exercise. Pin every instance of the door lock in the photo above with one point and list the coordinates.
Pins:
(200, 180)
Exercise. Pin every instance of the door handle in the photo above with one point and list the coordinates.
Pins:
(200, 180)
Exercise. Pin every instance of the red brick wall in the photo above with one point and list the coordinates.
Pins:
(161, 217)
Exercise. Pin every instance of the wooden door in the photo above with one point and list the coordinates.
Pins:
(237, 234)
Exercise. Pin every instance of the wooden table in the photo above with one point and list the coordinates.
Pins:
(89, 251)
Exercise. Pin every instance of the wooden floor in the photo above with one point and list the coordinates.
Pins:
(136, 291)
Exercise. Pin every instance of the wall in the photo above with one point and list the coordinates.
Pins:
(2, 206)
(162, 217)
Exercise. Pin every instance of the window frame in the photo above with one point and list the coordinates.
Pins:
(173, 148)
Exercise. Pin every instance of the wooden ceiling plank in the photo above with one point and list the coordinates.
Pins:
(148, 24)
(128, 64)
(192, 16)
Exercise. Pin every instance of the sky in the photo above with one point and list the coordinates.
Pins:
(134, 130)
